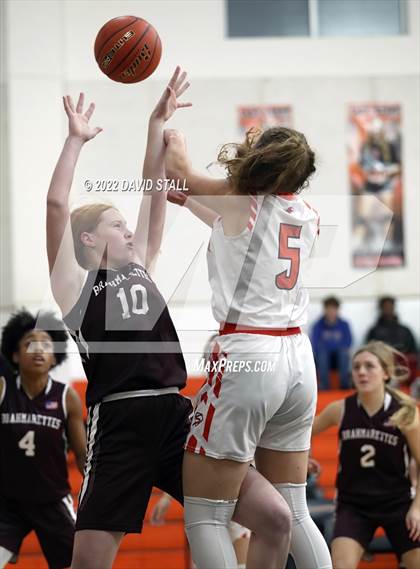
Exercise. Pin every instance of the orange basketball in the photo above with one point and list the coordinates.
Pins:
(127, 49)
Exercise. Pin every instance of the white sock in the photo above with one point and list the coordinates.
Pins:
(206, 524)
(308, 547)
(5, 557)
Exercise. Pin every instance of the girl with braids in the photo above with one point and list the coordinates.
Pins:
(259, 399)
(378, 430)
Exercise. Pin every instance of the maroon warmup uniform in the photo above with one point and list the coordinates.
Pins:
(373, 486)
(34, 487)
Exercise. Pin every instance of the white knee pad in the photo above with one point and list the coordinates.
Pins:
(206, 526)
(5, 557)
(308, 547)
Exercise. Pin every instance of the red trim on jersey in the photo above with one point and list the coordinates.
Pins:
(209, 419)
(286, 196)
(204, 397)
(191, 444)
(229, 328)
(202, 451)
(253, 214)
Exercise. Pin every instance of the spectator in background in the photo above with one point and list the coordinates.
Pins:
(331, 341)
(389, 330)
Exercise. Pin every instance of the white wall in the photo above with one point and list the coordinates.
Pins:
(319, 77)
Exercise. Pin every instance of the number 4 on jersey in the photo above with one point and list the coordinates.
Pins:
(27, 443)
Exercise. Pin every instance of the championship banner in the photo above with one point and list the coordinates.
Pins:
(264, 116)
(375, 171)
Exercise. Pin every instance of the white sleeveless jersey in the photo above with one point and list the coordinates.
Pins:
(257, 276)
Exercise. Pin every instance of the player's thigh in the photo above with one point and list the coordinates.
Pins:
(280, 467)
(399, 536)
(346, 553)
(54, 527)
(411, 559)
(13, 526)
(212, 478)
(95, 549)
(120, 466)
(352, 533)
(168, 478)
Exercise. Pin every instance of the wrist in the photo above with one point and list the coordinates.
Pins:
(74, 141)
(156, 118)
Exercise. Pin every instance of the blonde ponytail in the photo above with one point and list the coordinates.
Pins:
(390, 359)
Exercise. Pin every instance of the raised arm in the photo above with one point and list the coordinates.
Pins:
(329, 417)
(215, 194)
(151, 219)
(65, 273)
(205, 214)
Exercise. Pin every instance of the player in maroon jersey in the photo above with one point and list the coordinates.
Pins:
(379, 429)
(39, 419)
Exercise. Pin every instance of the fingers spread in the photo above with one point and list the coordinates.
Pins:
(90, 110)
(175, 76)
(71, 104)
(66, 106)
(79, 107)
(182, 88)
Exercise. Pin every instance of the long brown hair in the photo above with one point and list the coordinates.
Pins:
(85, 218)
(278, 161)
(390, 359)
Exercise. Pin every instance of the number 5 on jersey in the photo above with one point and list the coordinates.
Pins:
(27, 443)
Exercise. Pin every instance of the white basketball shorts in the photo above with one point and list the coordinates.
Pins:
(260, 392)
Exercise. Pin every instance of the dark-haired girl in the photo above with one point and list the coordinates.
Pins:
(259, 399)
(39, 419)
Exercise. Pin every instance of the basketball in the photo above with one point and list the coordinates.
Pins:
(127, 49)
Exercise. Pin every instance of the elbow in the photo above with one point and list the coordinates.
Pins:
(54, 204)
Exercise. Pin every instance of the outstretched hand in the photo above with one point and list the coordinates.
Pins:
(168, 103)
(78, 121)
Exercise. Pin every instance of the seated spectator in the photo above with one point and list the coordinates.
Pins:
(331, 341)
(389, 330)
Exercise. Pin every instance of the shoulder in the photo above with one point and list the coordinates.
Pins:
(73, 404)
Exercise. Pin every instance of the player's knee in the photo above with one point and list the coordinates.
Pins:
(277, 521)
(295, 496)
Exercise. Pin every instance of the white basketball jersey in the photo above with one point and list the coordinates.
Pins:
(257, 277)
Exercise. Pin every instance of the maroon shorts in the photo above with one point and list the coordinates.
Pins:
(360, 524)
(53, 524)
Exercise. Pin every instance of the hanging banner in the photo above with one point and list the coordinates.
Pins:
(264, 116)
(375, 171)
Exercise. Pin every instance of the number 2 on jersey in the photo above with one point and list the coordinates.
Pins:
(286, 280)
(143, 309)
(367, 459)
(27, 443)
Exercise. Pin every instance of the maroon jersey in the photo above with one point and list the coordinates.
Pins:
(125, 335)
(33, 444)
(373, 457)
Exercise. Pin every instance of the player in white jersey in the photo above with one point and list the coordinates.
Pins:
(259, 399)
